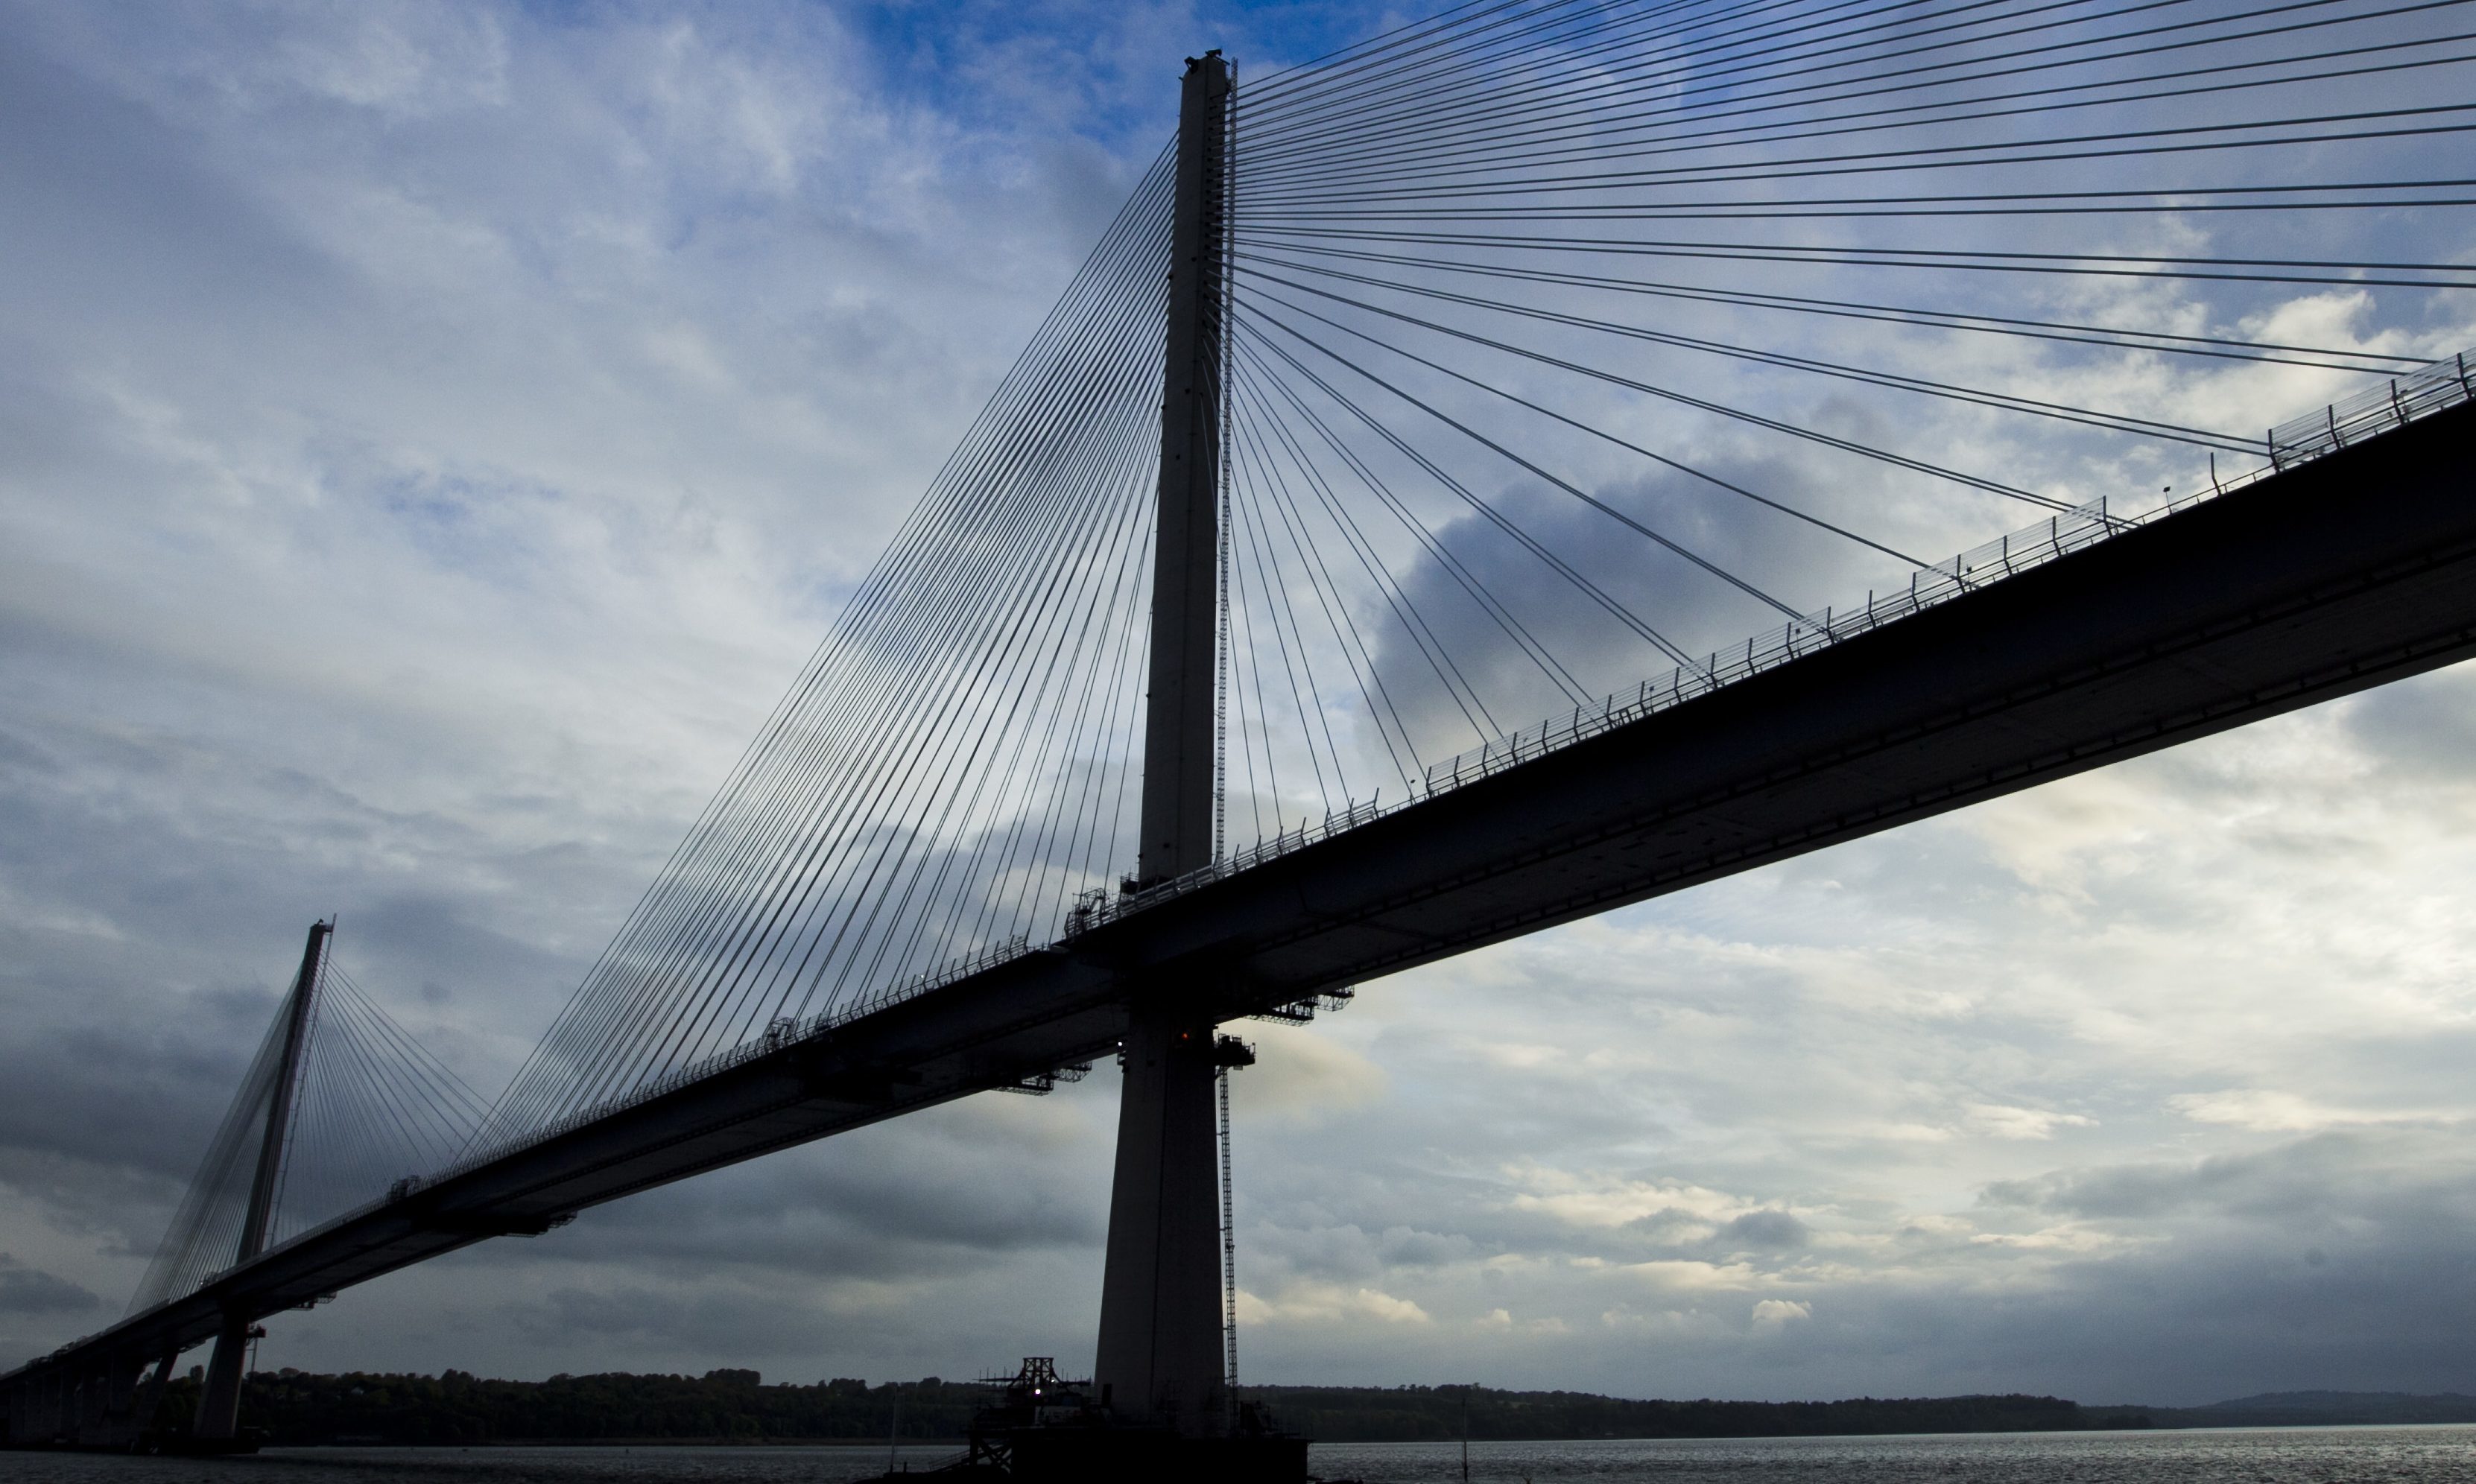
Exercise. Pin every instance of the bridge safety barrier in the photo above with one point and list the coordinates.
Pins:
(2374, 409)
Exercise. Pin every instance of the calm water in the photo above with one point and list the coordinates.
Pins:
(2286, 1455)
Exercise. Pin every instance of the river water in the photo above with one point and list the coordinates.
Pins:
(2280, 1456)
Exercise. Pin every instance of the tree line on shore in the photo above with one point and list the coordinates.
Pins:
(1417, 1412)
(298, 1408)
(295, 1408)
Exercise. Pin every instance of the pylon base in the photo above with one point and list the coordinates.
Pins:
(1042, 1429)
(1110, 1455)
(1104, 1454)
(248, 1441)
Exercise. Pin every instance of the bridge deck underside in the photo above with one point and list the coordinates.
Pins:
(2341, 574)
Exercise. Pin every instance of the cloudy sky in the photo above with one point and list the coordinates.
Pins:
(431, 436)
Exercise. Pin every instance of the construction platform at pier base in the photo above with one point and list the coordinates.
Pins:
(1042, 1429)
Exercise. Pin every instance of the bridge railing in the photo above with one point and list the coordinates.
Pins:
(2444, 383)
(2058, 535)
(2402, 400)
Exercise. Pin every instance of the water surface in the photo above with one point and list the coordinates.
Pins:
(2265, 1455)
(2280, 1455)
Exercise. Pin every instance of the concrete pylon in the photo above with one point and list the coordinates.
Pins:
(145, 1396)
(108, 1402)
(1160, 1354)
(219, 1405)
(1159, 1357)
(218, 1416)
(1178, 749)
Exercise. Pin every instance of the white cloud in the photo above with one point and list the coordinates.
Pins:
(2266, 1111)
(1583, 1201)
(1327, 1303)
(2023, 1122)
(1777, 1313)
(1687, 1276)
(1302, 1077)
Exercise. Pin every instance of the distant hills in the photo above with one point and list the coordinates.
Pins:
(1409, 1413)
(299, 1408)
(2317, 1409)
(1359, 1414)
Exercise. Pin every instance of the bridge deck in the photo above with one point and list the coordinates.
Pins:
(2341, 574)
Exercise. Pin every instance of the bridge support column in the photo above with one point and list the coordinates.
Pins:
(134, 1401)
(1159, 1357)
(109, 1402)
(219, 1401)
(218, 1415)
(121, 1400)
(94, 1400)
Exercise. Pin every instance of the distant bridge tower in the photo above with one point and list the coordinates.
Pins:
(219, 1408)
(1160, 1348)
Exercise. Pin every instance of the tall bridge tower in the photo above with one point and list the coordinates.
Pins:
(218, 1415)
(1160, 1356)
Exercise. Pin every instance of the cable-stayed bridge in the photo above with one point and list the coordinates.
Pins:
(1513, 365)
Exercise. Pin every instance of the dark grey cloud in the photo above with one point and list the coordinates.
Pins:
(2331, 1255)
(25, 1290)
(1761, 1231)
(2329, 1180)
(949, 1193)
